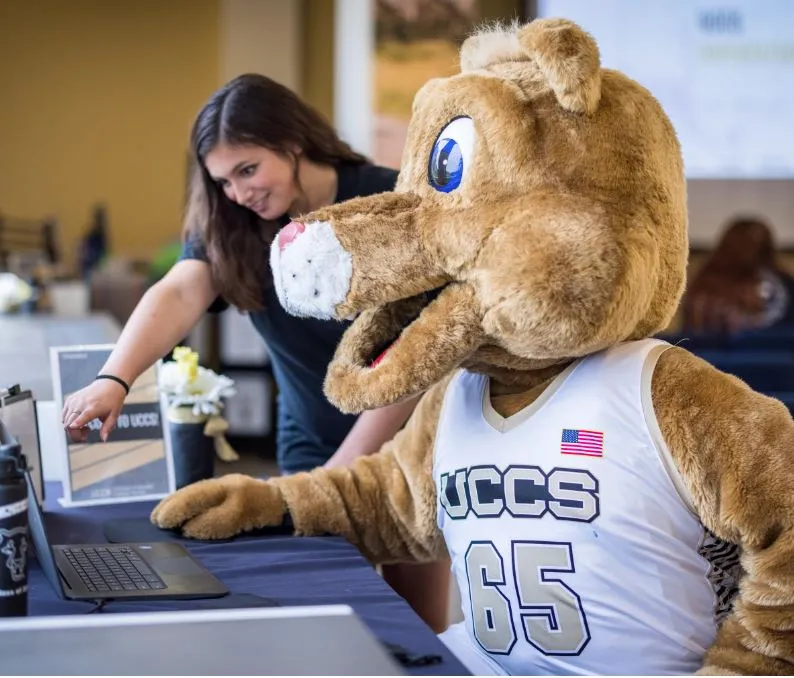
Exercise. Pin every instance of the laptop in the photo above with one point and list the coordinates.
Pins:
(101, 572)
(18, 415)
(323, 640)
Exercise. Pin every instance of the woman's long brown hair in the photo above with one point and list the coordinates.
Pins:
(250, 110)
(724, 296)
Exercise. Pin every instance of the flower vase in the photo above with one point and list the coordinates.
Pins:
(192, 449)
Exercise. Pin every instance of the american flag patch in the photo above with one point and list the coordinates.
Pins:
(582, 442)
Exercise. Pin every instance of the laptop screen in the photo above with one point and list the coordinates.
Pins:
(18, 414)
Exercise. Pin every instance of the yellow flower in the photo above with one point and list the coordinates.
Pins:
(187, 362)
(180, 352)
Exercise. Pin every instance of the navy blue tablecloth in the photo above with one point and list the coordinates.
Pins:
(288, 570)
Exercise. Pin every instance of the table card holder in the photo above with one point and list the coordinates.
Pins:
(136, 463)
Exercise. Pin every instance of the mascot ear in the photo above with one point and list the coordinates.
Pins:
(566, 56)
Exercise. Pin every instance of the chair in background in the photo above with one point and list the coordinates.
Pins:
(28, 243)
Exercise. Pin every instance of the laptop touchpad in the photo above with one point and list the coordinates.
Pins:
(178, 566)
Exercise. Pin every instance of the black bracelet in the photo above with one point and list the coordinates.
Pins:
(118, 380)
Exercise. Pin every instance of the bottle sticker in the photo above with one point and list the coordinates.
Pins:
(13, 509)
(14, 552)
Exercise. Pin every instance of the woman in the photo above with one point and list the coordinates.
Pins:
(262, 156)
(740, 287)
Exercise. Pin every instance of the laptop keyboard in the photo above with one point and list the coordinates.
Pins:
(112, 568)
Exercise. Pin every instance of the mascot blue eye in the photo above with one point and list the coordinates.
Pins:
(451, 154)
(446, 165)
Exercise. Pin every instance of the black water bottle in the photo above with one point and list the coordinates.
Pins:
(13, 528)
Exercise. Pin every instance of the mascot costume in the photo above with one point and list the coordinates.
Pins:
(610, 503)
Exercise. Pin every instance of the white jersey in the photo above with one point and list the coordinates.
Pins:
(570, 532)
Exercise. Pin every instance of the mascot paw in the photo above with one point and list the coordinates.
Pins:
(221, 507)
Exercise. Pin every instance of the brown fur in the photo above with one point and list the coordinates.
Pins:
(734, 449)
(567, 235)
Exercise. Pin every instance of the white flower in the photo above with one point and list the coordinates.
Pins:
(13, 292)
(203, 393)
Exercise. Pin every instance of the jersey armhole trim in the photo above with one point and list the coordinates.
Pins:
(442, 415)
(655, 431)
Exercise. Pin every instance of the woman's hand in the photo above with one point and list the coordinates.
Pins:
(102, 399)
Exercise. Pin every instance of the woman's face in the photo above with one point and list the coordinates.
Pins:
(254, 177)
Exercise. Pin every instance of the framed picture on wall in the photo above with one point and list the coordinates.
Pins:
(415, 40)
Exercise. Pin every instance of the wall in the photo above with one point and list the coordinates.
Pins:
(261, 36)
(97, 97)
(713, 203)
(317, 55)
(96, 101)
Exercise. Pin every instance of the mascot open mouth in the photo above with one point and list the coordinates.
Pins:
(394, 318)
(401, 348)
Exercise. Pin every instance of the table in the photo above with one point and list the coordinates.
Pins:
(25, 342)
(289, 570)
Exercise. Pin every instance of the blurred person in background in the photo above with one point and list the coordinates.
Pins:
(262, 156)
(741, 287)
(94, 244)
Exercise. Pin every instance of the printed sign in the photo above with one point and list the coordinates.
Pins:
(135, 463)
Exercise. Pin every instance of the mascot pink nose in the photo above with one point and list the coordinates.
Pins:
(287, 234)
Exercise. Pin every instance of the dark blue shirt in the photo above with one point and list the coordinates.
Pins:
(309, 428)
